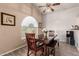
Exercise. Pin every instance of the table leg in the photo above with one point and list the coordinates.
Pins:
(58, 44)
(45, 50)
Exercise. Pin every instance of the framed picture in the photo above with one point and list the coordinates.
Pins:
(7, 19)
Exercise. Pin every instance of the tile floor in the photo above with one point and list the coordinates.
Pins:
(63, 50)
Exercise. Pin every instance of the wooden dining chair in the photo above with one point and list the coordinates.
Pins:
(32, 44)
(51, 46)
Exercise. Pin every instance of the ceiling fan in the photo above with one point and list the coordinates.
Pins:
(49, 6)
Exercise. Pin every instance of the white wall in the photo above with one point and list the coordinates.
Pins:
(10, 36)
(60, 21)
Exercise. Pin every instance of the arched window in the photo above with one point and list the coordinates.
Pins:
(28, 25)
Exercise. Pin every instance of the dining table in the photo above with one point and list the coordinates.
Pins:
(47, 42)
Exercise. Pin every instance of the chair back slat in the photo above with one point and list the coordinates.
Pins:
(30, 37)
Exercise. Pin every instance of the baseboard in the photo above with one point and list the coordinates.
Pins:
(62, 41)
(12, 50)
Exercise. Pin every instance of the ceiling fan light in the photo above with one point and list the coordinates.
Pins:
(44, 11)
(52, 9)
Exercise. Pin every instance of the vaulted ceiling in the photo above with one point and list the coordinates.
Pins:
(61, 6)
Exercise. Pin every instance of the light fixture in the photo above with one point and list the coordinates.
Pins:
(48, 7)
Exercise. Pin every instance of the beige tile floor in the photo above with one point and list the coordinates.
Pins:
(63, 50)
(66, 50)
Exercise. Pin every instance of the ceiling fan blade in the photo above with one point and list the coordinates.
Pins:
(41, 6)
(44, 11)
(52, 9)
(55, 4)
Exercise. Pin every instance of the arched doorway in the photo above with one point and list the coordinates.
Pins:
(29, 25)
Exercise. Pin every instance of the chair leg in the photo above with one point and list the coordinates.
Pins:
(48, 53)
(42, 53)
(58, 44)
(28, 53)
(35, 53)
(53, 52)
